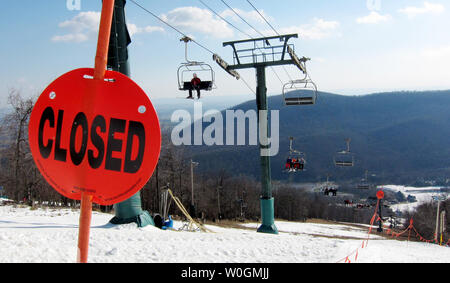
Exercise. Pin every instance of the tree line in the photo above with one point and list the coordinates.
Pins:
(424, 219)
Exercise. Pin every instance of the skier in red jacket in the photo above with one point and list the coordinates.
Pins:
(195, 84)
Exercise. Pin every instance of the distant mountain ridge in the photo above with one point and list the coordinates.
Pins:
(166, 106)
(395, 136)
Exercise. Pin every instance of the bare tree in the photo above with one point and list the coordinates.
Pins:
(20, 174)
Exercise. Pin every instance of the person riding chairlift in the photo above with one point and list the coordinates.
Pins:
(302, 163)
(299, 163)
(288, 164)
(294, 166)
(195, 84)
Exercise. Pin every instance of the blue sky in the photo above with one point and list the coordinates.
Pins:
(356, 46)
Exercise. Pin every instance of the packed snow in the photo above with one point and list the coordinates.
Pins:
(50, 235)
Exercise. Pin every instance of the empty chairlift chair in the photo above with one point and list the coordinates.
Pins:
(300, 92)
(344, 158)
(364, 184)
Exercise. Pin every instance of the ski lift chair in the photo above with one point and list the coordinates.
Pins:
(363, 185)
(300, 92)
(334, 192)
(189, 68)
(330, 190)
(296, 160)
(344, 159)
(186, 72)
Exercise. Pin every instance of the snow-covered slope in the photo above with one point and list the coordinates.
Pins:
(51, 236)
(422, 195)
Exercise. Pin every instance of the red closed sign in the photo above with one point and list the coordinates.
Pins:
(99, 137)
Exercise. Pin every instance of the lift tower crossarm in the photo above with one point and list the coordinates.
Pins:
(284, 38)
(262, 64)
(299, 62)
(224, 65)
(268, 59)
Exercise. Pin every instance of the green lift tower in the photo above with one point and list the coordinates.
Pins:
(260, 53)
(130, 210)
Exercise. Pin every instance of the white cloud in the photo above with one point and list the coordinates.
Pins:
(84, 21)
(373, 18)
(84, 27)
(319, 29)
(193, 19)
(133, 29)
(71, 37)
(428, 8)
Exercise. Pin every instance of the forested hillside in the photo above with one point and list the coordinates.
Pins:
(399, 137)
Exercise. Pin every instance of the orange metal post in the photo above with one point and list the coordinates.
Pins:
(101, 59)
(84, 228)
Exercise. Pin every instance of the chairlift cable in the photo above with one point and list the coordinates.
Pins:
(237, 14)
(182, 33)
(238, 29)
(276, 74)
(263, 17)
(259, 13)
(228, 22)
(169, 25)
(243, 32)
(249, 87)
(223, 19)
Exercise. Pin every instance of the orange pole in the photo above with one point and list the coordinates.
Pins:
(101, 59)
(84, 228)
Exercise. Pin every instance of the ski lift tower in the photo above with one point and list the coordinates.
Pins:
(260, 53)
(129, 210)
